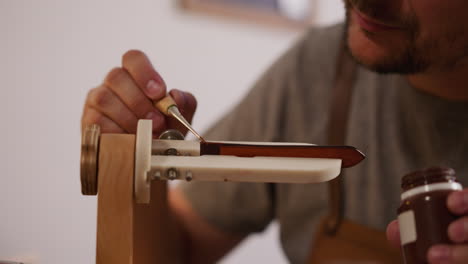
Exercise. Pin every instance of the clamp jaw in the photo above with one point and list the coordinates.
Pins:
(169, 159)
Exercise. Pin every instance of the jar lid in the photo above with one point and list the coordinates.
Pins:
(428, 176)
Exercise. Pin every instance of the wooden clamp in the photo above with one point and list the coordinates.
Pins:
(128, 173)
(127, 232)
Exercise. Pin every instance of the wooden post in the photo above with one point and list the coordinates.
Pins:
(127, 232)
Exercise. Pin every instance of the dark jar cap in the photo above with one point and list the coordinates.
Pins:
(428, 176)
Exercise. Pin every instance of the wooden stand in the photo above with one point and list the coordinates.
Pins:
(127, 232)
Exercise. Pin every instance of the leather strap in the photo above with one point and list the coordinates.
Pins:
(340, 102)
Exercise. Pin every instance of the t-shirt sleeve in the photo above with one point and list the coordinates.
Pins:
(247, 207)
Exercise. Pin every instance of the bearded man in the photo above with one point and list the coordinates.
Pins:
(408, 110)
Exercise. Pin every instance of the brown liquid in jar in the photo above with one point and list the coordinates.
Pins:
(423, 214)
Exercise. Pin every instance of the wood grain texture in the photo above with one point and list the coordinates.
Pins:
(129, 233)
(164, 104)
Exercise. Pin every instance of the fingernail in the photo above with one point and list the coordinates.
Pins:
(154, 89)
(440, 254)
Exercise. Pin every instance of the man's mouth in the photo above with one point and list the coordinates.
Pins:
(371, 24)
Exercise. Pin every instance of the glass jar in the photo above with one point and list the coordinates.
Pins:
(423, 215)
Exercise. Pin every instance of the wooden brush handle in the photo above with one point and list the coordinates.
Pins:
(164, 104)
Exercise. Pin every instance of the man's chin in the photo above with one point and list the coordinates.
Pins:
(364, 51)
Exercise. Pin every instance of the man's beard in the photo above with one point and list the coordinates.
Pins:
(407, 60)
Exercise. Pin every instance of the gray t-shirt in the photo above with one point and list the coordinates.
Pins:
(400, 129)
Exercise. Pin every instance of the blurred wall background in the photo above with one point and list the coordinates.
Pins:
(53, 51)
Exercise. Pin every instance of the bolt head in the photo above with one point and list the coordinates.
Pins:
(172, 174)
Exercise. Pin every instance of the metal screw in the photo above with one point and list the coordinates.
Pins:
(172, 174)
(189, 176)
(152, 176)
(171, 152)
(172, 134)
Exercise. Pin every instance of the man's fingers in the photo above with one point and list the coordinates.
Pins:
(443, 254)
(92, 116)
(109, 104)
(128, 94)
(145, 76)
(458, 230)
(122, 84)
(393, 234)
(457, 202)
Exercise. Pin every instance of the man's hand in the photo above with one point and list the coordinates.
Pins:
(457, 202)
(127, 95)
